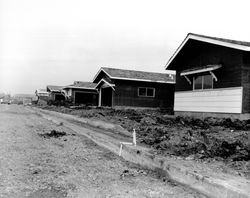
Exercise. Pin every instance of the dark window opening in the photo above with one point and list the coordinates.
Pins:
(203, 82)
(150, 92)
(198, 82)
(146, 92)
(207, 82)
(142, 91)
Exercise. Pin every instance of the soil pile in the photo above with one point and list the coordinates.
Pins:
(212, 138)
(53, 134)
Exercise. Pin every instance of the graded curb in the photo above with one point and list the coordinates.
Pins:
(212, 187)
(207, 185)
(91, 122)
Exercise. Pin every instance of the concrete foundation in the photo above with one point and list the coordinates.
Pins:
(203, 115)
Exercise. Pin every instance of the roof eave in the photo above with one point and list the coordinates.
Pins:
(101, 70)
(51, 90)
(73, 87)
(103, 80)
(142, 80)
(211, 68)
(207, 40)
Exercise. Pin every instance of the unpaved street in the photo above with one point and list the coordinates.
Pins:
(41, 159)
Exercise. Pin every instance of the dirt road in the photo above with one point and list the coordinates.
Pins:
(41, 159)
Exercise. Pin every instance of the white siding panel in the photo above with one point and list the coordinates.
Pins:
(216, 100)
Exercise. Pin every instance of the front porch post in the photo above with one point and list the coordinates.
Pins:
(100, 98)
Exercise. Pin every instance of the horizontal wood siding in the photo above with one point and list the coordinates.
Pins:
(87, 91)
(126, 94)
(216, 101)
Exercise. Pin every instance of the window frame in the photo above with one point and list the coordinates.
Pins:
(138, 92)
(202, 83)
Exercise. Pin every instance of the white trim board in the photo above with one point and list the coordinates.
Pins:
(73, 87)
(106, 82)
(207, 40)
(100, 70)
(211, 68)
(144, 80)
(54, 90)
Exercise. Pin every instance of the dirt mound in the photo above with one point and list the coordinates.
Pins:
(53, 134)
(184, 142)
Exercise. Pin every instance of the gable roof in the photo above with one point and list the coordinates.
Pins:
(41, 91)
(103, 81)
(81, 85)
(54, 88)
(241, 45)
(123, 74)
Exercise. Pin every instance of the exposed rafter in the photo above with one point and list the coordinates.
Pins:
(189, 81)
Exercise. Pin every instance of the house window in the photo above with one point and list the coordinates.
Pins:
(208, 82)
(203, 82)
(198, 82)
(146, 92)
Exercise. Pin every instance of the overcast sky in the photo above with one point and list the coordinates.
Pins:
(56, 42)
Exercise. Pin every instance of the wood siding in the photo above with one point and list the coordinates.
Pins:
(196, 54)
(216, 101)
(126, 94)
(235, 72)
(56, 96)
(246, 82)
(93, 92)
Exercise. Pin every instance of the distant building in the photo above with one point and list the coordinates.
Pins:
(212, 77)
(23, 99)
(5, 98)
(55, 93)
(1, 97)
(81, 93)
(42, 96)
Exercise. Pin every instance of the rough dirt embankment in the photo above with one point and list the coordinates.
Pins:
(222, 140)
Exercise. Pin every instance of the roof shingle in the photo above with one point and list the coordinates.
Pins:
(138, 75)
(80, 84)
(54, 88)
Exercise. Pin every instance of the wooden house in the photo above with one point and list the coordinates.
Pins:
(212, 77)
(42, 96)
(129, 88)
(25, 99)
(82, 93)
(55, 93)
